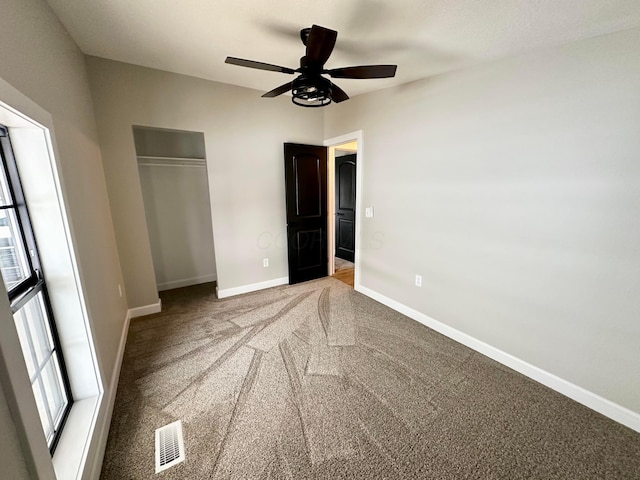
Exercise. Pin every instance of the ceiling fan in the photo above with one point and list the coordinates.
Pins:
(310, 88)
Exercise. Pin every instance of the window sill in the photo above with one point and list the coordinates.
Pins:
(71, 452)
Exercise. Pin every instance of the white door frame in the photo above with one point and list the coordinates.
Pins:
(331, 143)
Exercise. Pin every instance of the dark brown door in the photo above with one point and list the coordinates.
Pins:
(305, 169)
(346, 207)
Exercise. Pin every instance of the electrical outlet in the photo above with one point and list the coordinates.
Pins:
(265, 262)
(418, 280)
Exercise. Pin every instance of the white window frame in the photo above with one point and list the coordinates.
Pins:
(78, 452)
(31, 306)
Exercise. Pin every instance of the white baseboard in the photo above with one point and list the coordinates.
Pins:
(186, 282)
(230, 292)
(587, 398)
(110, 397)
(145, 310)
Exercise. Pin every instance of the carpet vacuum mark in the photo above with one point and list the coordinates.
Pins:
(316, 381)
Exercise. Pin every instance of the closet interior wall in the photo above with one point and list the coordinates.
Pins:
(175, 191)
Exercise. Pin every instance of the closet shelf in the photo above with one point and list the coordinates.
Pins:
(149, 157)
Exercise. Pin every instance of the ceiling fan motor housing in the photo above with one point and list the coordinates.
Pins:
(309, 67)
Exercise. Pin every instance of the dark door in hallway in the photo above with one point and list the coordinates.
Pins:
(305, 168)
(346, 207)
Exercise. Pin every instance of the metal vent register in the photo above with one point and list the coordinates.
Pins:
(169, 446)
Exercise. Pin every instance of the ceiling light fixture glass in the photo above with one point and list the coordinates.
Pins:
(311, 91)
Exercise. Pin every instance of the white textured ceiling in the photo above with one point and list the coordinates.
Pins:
(423, 37)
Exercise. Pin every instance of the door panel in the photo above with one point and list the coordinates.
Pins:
(346, 207)
(344, 234)
(346, 186)
(306, 203)
(306, 172)
(308, 246)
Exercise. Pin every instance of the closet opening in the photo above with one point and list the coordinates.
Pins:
(175, 190)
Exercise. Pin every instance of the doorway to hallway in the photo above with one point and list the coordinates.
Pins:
(344, 194)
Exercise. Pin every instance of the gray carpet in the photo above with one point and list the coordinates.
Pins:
(317, 381)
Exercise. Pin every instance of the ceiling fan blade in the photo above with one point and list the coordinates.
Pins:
(364, 71)
(320, 44)
(259, 65)
(337, 94)
(279, 91)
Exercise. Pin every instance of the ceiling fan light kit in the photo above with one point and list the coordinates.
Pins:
(311, 92)
(310, 88)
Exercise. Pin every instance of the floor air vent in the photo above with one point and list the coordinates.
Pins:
(169, 446)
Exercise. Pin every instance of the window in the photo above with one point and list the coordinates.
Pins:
(27, 291)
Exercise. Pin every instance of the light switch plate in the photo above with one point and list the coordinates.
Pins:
(368, 212)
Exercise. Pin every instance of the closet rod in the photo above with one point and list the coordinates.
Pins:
(154, 157)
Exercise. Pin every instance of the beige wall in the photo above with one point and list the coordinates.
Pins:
(513, 188)
(11, 457)
(40, 60)
(178, 215)
(244, 137)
